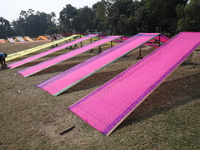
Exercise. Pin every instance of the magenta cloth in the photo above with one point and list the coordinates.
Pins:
(122, 38)
(105, 108)
(162, 39)
(29, 59)
(46, 64)
(69, 78)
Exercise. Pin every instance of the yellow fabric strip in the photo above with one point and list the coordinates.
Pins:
(31, 50)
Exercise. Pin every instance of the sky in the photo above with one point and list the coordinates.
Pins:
(10, 9)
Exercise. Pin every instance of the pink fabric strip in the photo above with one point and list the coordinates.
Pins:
(41, 66)
(123, 38)
(105, 108)
(29, 59)
(67, 79)
(163, 39)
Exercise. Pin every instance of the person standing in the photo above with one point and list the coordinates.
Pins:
(55, 38)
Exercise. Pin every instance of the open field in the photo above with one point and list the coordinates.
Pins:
(32, 119)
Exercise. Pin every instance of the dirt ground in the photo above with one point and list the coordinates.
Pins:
(31, 118)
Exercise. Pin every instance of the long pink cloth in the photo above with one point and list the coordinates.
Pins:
(69, 78)
(46, 64)
(105, 108)
(29, 59)
(162, 39)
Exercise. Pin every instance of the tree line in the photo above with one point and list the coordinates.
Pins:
(115, 17)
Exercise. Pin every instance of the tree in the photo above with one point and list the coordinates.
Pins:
(33, 24)
(122, 17)
(84, 20)
(101, 12)
(190, 20)
(118, 14)
(5, 28)
(67, 16)
(162, 15)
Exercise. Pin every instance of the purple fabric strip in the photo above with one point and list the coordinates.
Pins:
(151, 88)
(29, 59)
(74, 75)
(110, 104)
(53, 61)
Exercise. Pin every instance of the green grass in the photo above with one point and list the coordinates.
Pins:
(32, 119)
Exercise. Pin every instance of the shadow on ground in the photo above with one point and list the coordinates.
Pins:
(167, 96)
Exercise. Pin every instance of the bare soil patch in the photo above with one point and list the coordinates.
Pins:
(31, 118)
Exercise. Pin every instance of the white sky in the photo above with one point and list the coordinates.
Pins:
(10, 9)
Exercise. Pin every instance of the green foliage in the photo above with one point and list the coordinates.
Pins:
(162, 15)
(76, 20)
(84, 20)
(33, 24)
(101, 12)
(121, 17)
(66, 18)
(190, 21)
(5, 28)
(51, 30)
